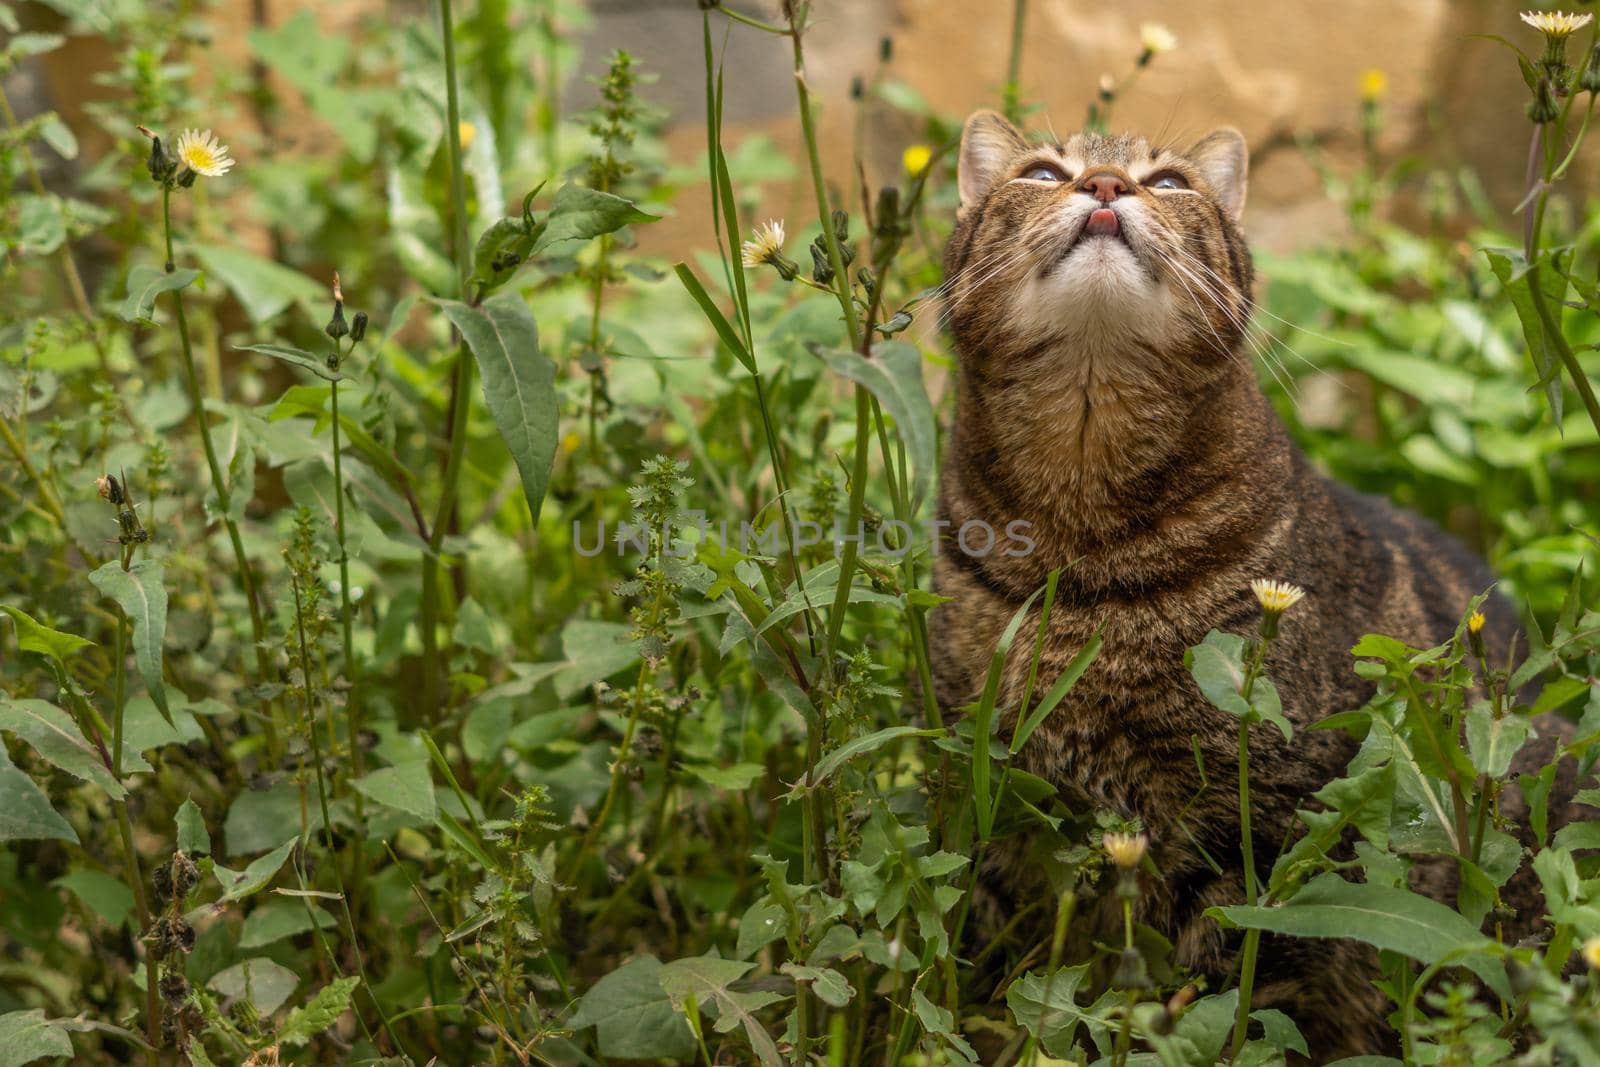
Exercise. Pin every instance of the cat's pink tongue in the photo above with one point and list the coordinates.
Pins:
(1103, 222)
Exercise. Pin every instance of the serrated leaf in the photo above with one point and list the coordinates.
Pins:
(579, 213)
(145, 284)
(193, 837)
(1046, 1006)
(320, 1012)
(297, 357)
(143, 599)
(237, 885)
(1492, 743)
(761, 924)
(894, 376)
(860, 746)
(263, 982)
(54, 736)
(34, 636)
(518, 384)
(706, 980)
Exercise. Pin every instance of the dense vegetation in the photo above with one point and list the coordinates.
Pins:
(334, 733)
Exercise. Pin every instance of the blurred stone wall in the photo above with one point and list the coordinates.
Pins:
(1279, 70)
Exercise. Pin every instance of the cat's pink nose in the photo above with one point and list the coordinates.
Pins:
(1104, 186)
(1103, 222)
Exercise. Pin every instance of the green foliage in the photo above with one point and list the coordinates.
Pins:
(552, 721)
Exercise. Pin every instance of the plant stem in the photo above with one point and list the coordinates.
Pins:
(461, 385)
(353, 700)
(1013, 90)
(219, 480)
(19, 452)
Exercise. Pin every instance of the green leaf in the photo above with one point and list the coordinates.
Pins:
(52, 733)
(761, 924)
(237, 885)
(107, 897)
(1217, 664)
(193, 837)
(1386, 917)
(1046, 1006)
(25, 812)
(579, 213)
(263, 287)
(633, 1016)
(26, 1036)
(262, 982)
(860, 746)
(147, 283)
(281, 918)
(703, 980)
(320, 1012)
(139, 593)
(735, 777)
(1280, 1031)
(894, 376)
(829, 985)
(1513, 271)
(259, 819)
(714, 315)
(1058, 690)
(298, 357)
(1492, 743)
(405, 787)
(33, 636)
(518, 384)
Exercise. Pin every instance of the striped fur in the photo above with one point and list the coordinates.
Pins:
(1105, 397)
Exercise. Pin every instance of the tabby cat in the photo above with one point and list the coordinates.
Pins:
(1098, 292)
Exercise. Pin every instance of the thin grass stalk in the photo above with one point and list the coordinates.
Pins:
(1013, 90)
(219, 481)
(461, 384)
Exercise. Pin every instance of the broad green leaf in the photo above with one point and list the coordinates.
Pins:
(761, 924)
(518, 384)
(829, 985)
(143, 599)
(1385, 917)
(147, 283)
(1512, 270)
(579, 213)
(405, 787)
(320, 1012)
(633, 1016)
(281, 918)
(1046, 1006)
(263, 287)
(707, 980)
(26, 1036)
(193, 837)
(894, 376)
(1493, 742)
(25, 812)
(237, 885)
(107, 897)
(262, 982)
(297, 357)
(52, 733)
(736, 776)
(1280, 1030)
(259, 819)
(1217, 664)
(34, 636)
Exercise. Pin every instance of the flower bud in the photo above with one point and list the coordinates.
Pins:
(187, 178)
(821, 269)
(337, 327)
(1589, 77)
(358, 326)
(174, 986)
(159, 163)
(1131, 972)
(1542, 108)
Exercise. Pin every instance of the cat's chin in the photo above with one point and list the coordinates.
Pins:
(1100, 281)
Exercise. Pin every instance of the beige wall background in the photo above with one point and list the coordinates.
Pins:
(1279, 70)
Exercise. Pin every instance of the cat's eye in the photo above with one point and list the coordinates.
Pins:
(1168, 179)
(1043, 172)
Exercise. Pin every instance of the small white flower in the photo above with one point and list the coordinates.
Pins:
(1125, 850)
(1155, 38)
(1276, 597)
(1556, 25)
(765, 245)
(202, 153)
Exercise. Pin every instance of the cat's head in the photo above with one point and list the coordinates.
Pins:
(1107, 247)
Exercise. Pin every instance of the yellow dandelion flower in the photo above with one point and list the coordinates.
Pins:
(1374, 85)
(1475, 623)
(1556, 25)
(1125, 850)
(765, 245)
(1155, 38)
(467, 132)
(1276, 597)
(916, 158)
(199, 151)
(1591, 953)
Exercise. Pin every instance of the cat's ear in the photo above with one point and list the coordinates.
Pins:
(988, 142)
(1225, 162)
